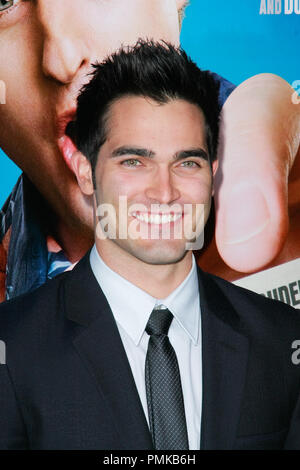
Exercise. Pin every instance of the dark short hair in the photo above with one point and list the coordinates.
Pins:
(158, 71)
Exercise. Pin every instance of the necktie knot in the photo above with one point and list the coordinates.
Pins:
(159, 322)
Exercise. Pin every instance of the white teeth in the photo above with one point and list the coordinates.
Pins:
(156, 218)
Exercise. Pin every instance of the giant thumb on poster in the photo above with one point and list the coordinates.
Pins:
(249, 36)
(281, 282)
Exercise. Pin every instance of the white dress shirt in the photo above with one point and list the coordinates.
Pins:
(131, 307)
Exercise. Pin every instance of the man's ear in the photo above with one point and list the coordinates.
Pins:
(83, 171)
(215, 164)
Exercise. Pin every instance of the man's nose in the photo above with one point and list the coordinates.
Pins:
(163, 188)
(65, 47)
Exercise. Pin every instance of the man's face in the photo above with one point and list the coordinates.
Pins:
(153, 169)
(46, 48)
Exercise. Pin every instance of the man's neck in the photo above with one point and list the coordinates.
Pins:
(158, 280)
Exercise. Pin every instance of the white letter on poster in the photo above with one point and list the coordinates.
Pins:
(288, 7)
(277, 7)
(263, 7)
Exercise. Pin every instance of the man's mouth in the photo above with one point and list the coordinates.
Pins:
(155, 218)
(65, 142)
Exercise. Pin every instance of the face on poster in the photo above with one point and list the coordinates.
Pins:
(46, 52)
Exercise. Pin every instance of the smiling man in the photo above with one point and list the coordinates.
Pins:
(136, 348)
(47, 47)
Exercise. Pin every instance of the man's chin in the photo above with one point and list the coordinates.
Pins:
(158, 253)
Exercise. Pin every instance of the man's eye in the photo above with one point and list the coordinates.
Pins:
(6, 4)
(190, 164)
(131, 162)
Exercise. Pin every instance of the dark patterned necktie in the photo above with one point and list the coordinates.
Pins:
(163, 387)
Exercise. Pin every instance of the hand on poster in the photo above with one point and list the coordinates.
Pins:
(257, 182)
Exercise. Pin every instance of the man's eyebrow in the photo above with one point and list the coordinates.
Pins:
(138, 151)
(142, 152)
(198, 152)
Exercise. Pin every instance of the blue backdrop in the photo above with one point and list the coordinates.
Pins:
(230, 38)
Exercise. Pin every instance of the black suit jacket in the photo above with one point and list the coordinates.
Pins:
(67, 383)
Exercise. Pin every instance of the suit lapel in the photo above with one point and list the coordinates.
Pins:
(224, 359)
(100, 347)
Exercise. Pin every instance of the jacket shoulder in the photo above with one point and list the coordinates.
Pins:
(254, 311)
(31, 309)
(233, 289)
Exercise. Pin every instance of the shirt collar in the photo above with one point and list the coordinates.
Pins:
(132, 306)
(184, 303)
